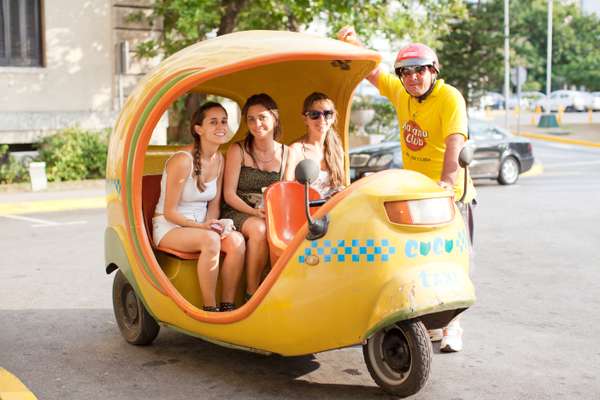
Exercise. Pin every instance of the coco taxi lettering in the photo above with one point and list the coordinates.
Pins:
(438, 246)
(414, 137)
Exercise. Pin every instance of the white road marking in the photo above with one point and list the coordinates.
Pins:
(572, 164)
(42, 223)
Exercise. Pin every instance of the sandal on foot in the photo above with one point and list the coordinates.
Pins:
(211, 308)
(224, 307)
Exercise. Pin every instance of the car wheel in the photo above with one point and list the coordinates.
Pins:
(135, 323)
(509, 171)
(399, 357)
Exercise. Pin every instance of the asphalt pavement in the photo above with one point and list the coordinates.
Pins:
(86, 325)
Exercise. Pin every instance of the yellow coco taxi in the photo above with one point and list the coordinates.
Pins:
(377, 264)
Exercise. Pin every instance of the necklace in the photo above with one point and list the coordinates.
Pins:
(263, 161)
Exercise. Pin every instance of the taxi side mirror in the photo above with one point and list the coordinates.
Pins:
(466, 156)
(306, 172)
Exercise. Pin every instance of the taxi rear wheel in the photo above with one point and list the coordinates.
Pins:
(135, 323)
(399, 357)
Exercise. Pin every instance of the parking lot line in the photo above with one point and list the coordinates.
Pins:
(11, 388)
(41, 223)
(52, 205)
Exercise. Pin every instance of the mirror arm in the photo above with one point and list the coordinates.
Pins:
(316, 228)
(307, 205)
(465, 184)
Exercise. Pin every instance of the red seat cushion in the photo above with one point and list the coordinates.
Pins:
(150, 195)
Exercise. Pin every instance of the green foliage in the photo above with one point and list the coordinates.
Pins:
(74, 154)
(472, 53)
(384, 121)
(11, 170)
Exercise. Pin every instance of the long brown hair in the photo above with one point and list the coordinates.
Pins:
(261, 99)
(198, 119)
(333, 152)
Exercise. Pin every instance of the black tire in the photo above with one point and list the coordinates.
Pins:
(399, 357)
(508, 173)
(135, 323)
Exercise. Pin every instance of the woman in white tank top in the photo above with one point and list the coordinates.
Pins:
(320, 144)
(187, 212)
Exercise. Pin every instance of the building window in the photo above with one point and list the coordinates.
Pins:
(20, 33)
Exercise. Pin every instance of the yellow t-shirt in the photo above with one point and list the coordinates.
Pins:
(424, 127)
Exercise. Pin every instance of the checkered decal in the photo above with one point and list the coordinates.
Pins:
(369, 250)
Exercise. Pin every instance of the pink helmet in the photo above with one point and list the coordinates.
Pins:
(416, 54)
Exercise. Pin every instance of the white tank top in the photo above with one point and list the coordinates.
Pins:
(193, 203)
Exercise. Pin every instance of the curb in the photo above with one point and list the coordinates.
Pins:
(30, 207)
(11, 388)
(550, 138)
(536, 170)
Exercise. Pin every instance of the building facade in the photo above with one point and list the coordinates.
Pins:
(61, 63)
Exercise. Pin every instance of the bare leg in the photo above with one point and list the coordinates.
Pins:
(257, 251)
(234, 247)
(208, 243)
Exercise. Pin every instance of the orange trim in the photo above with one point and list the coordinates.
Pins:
(398, 212)
(177, 90)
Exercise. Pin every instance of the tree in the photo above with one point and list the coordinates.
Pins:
(188, 21)
(472, 51)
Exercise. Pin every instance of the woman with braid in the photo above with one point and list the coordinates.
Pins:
(187, 212)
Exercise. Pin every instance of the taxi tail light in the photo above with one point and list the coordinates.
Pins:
(420, 212)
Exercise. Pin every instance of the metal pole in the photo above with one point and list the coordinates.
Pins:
(518, 73)
(506, 62)
(549, 58)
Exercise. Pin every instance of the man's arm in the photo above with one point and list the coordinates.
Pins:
(454, 144)
(348, 34)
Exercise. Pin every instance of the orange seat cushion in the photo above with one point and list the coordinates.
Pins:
(284, 202)
(150, 195)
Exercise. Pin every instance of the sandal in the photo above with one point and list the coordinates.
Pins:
(210, 308)
(224, 307)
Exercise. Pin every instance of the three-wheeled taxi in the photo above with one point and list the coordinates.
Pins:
(377, 264)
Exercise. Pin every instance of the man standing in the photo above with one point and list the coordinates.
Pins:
(432, 117)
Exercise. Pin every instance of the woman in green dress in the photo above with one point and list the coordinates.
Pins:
(251, 166)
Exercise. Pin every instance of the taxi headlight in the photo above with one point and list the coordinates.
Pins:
(420, 212)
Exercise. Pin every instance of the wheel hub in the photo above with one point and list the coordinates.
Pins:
(395, 351)
(131, 307)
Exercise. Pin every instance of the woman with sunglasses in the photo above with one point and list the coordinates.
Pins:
(250, 167)
(185, 218)
(321, 143)
(432, 117)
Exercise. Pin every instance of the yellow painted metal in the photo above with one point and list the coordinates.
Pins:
(11, 387)
(310, 308)
(331, 305)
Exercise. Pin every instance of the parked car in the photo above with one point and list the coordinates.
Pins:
(498, 155)
(531, 98)
(491, 100)
(569, 100)
(514, 100)
(594, 101)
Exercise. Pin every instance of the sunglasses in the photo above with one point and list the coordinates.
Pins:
(314, 114)
(408, 71)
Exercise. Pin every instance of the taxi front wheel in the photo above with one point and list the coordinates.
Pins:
(399, 357)
(135, 323)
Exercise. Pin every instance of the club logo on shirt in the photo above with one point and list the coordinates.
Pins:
(414, 137)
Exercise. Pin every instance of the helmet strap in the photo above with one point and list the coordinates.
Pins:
(422, 97)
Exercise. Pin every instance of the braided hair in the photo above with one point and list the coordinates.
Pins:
(333, 152)
(198, 119)
(267, 102)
